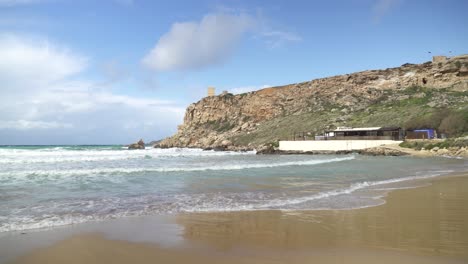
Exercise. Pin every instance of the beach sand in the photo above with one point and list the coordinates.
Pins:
(422, 225)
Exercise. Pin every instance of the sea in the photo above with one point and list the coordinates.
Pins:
(48, 186)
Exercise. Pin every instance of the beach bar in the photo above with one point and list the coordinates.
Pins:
(345, 139)
(364, 133)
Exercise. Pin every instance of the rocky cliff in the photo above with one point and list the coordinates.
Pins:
(369, 98)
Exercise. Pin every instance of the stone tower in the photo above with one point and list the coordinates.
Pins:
(439, 59)
(211, 91)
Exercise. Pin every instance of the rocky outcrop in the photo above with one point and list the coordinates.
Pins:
(139, 145)
(233, 122)
(382, 151)
(268, 149)
(448, 152)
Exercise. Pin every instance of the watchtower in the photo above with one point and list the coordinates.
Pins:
(439, 59)
(211, 91)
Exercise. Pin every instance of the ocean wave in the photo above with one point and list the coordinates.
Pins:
(175, 169)
(117, 207)
(352, 188)
(18, 156)
(221, 204)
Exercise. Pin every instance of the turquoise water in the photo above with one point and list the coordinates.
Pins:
(46, 186)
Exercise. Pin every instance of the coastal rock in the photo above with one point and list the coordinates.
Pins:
(226, 143)
(382, 151)
(267, 149)
(139, 145)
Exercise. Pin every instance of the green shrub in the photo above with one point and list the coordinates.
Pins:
(451, 122)
(444, 144)
(448, 143)
(454, 124)
(219, 125)
(460, 143)
(429, 146)
(413, 89)
(417, 145)
(432, 120)
(406, 144)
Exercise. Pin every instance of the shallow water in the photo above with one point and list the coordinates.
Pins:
(48, 186)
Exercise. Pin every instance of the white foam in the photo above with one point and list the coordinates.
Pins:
(354, 187)
(59, 154)
(214, 202)
(284, 204)
(175, 169)
(32, 223)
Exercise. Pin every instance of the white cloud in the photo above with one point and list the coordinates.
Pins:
(246, 89)
(45, 100)
(382, 7)
(113, 72)
(27, 125)
(276, 39)
(34, 63)
(193, 45)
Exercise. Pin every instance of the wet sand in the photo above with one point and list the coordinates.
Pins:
(422, 225)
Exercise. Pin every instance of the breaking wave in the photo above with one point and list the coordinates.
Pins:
(61, 154)
(105, 209)
(174, 169)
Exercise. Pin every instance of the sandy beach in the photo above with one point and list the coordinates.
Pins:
(421, 225)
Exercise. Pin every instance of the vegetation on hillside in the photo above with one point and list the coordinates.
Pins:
(452, 122)
(410, 108)
(430, 144)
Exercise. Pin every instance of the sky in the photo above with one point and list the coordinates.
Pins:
(115, 71)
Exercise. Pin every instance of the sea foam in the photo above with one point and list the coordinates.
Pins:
(59, 154)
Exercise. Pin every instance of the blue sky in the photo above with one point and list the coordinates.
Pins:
(114, 71)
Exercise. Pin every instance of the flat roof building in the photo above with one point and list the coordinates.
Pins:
(364, 133)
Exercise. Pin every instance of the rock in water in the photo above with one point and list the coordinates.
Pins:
(139, 145)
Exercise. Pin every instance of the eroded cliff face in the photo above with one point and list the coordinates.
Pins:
(239, 121)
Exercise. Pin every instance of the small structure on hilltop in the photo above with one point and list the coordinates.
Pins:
(364, 133)
(426, 133)
(211, 91)
(439, 59)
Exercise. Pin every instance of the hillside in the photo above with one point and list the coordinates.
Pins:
(390, 97)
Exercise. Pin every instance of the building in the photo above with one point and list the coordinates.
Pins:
(364, 133)
(344, 139)
(211, 91)
(426, 133)
(439, 59)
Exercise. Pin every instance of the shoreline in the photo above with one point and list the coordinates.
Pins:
(408, 181)
(364, 233)
(384, 150)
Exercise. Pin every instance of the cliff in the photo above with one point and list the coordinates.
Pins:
(369, 98)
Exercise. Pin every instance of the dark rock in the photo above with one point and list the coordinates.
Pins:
(267, 149)
(221, 148)
(139, 145)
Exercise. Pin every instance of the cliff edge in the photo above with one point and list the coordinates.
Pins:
(370, 98)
